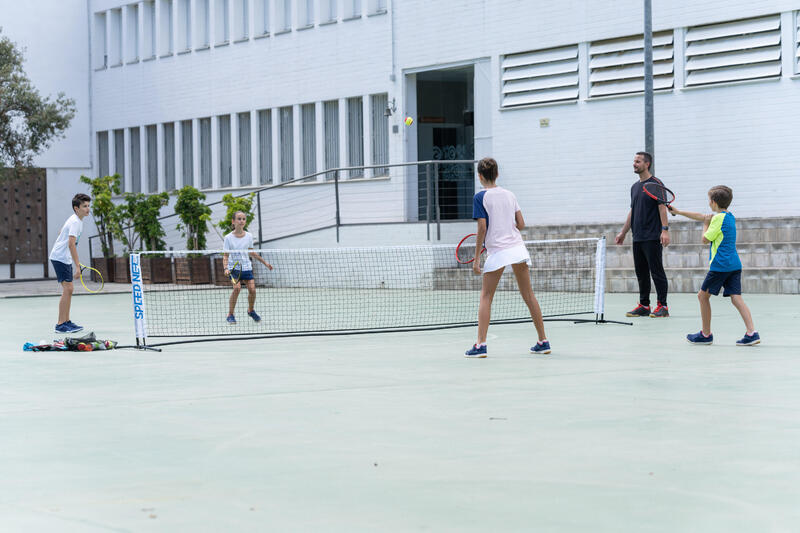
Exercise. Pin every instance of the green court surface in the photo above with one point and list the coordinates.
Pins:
(621, 428)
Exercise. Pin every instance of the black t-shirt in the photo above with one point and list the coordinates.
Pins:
(645, 218)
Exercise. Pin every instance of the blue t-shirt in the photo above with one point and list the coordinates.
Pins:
(722, 255)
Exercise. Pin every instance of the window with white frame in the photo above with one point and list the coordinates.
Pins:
(149, 29)
(265, 146)
(132, 32)
(221, 22)
(152, 158)
(100, 44)
(102, 153)
(616, 66)
(377, 7)
(224, 127)
(241, 19)
(187, 153)
(119, 155)
(355, 135)
(261, 16)
(201, 24)
(205, 153)
(184, 26)
(165, 27)
(379, 124)
(283, 15)
(733, 51)
(540, 76)
(308, 135)
(286, 116)
(330, 110)
(136, 159)
(305, 13)
(797, 42)
(245, 159)
(352, 9)
(169, 156)
(115, 37)
(328, 10)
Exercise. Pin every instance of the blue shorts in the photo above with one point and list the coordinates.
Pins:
(243, 275)
(63, 271)
(730, 281)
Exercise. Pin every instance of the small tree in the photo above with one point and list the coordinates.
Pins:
(28, 122)
(234, 204)
(103, 209)
(124, 215)
(194, 215)
(136, 221)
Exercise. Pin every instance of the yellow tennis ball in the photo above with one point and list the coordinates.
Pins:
(409, 121)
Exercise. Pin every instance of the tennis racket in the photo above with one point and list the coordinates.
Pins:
(91, 279)
(236, 273)
(465, 251)
(659, 193)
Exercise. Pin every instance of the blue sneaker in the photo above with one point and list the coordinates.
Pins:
(749, 340)
(542, 347)
(231, 319)
(63, 328)
(252, 314)
(476, 352)
(699, 338)
(75, 327)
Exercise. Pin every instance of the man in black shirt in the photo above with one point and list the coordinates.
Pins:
(648, 220)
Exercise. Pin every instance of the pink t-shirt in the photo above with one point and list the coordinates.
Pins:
(499, 207)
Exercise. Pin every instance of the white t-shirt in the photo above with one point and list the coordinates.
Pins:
(499, 207)
(239, 243)
(73, 227)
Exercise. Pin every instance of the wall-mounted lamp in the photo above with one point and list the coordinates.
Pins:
(391, 107)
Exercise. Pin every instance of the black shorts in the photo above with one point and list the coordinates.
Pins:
(242, 275)
(730, 281)
(63, 271)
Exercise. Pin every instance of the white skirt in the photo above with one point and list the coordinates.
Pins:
(509, 256)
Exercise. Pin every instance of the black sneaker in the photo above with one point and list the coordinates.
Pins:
(660, 311)
(641, 310)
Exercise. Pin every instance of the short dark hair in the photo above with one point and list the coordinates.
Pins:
(487, 167)
(79, 198)
(722, 195)
(648, 157)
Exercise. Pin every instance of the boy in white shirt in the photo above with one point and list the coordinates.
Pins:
(64, 256)
(239, 239)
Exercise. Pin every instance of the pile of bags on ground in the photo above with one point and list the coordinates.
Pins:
(87, 343)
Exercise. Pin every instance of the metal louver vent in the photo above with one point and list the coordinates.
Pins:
(616, 66)
(540, 76)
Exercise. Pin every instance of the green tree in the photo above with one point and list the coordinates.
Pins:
(101, 189)
(234, 204)
(28, 122)
(194, 215)
(137, 221)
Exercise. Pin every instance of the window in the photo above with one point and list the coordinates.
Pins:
(115, 37)
(187, 153)
(265, 146)
(184, 25)
(221, 22)
(355, 135)
(305, 14)
(149, 29)
(540, 76)
(132, 32)
(119, 155)
(733, 51)
(616, 66)
(261, 17)
(328, 11)
(797, 39)
(201, 28)
(309, 138)
(245, 158)
(205, 153)
(169, 156)
(102, 153)
(287, 143)
(240, 19)
(352, 9)
(152, 158)
(224, 122)
(379, 124)
(331, 116)
(136, 160)
(100, 52)
(165, 28)
(284, 15)
(377, 6)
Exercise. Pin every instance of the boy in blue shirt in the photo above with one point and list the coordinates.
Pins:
(725, 268)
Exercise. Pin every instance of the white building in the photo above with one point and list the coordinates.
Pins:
(230, 95)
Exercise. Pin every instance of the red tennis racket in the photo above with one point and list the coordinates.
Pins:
(659, 193)
(465, 251)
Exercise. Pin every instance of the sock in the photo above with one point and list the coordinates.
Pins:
(480, 344)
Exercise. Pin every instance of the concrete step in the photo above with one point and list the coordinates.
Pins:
(754, 280)
(752, 255)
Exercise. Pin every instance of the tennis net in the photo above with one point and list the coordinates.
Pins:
(317, 291)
